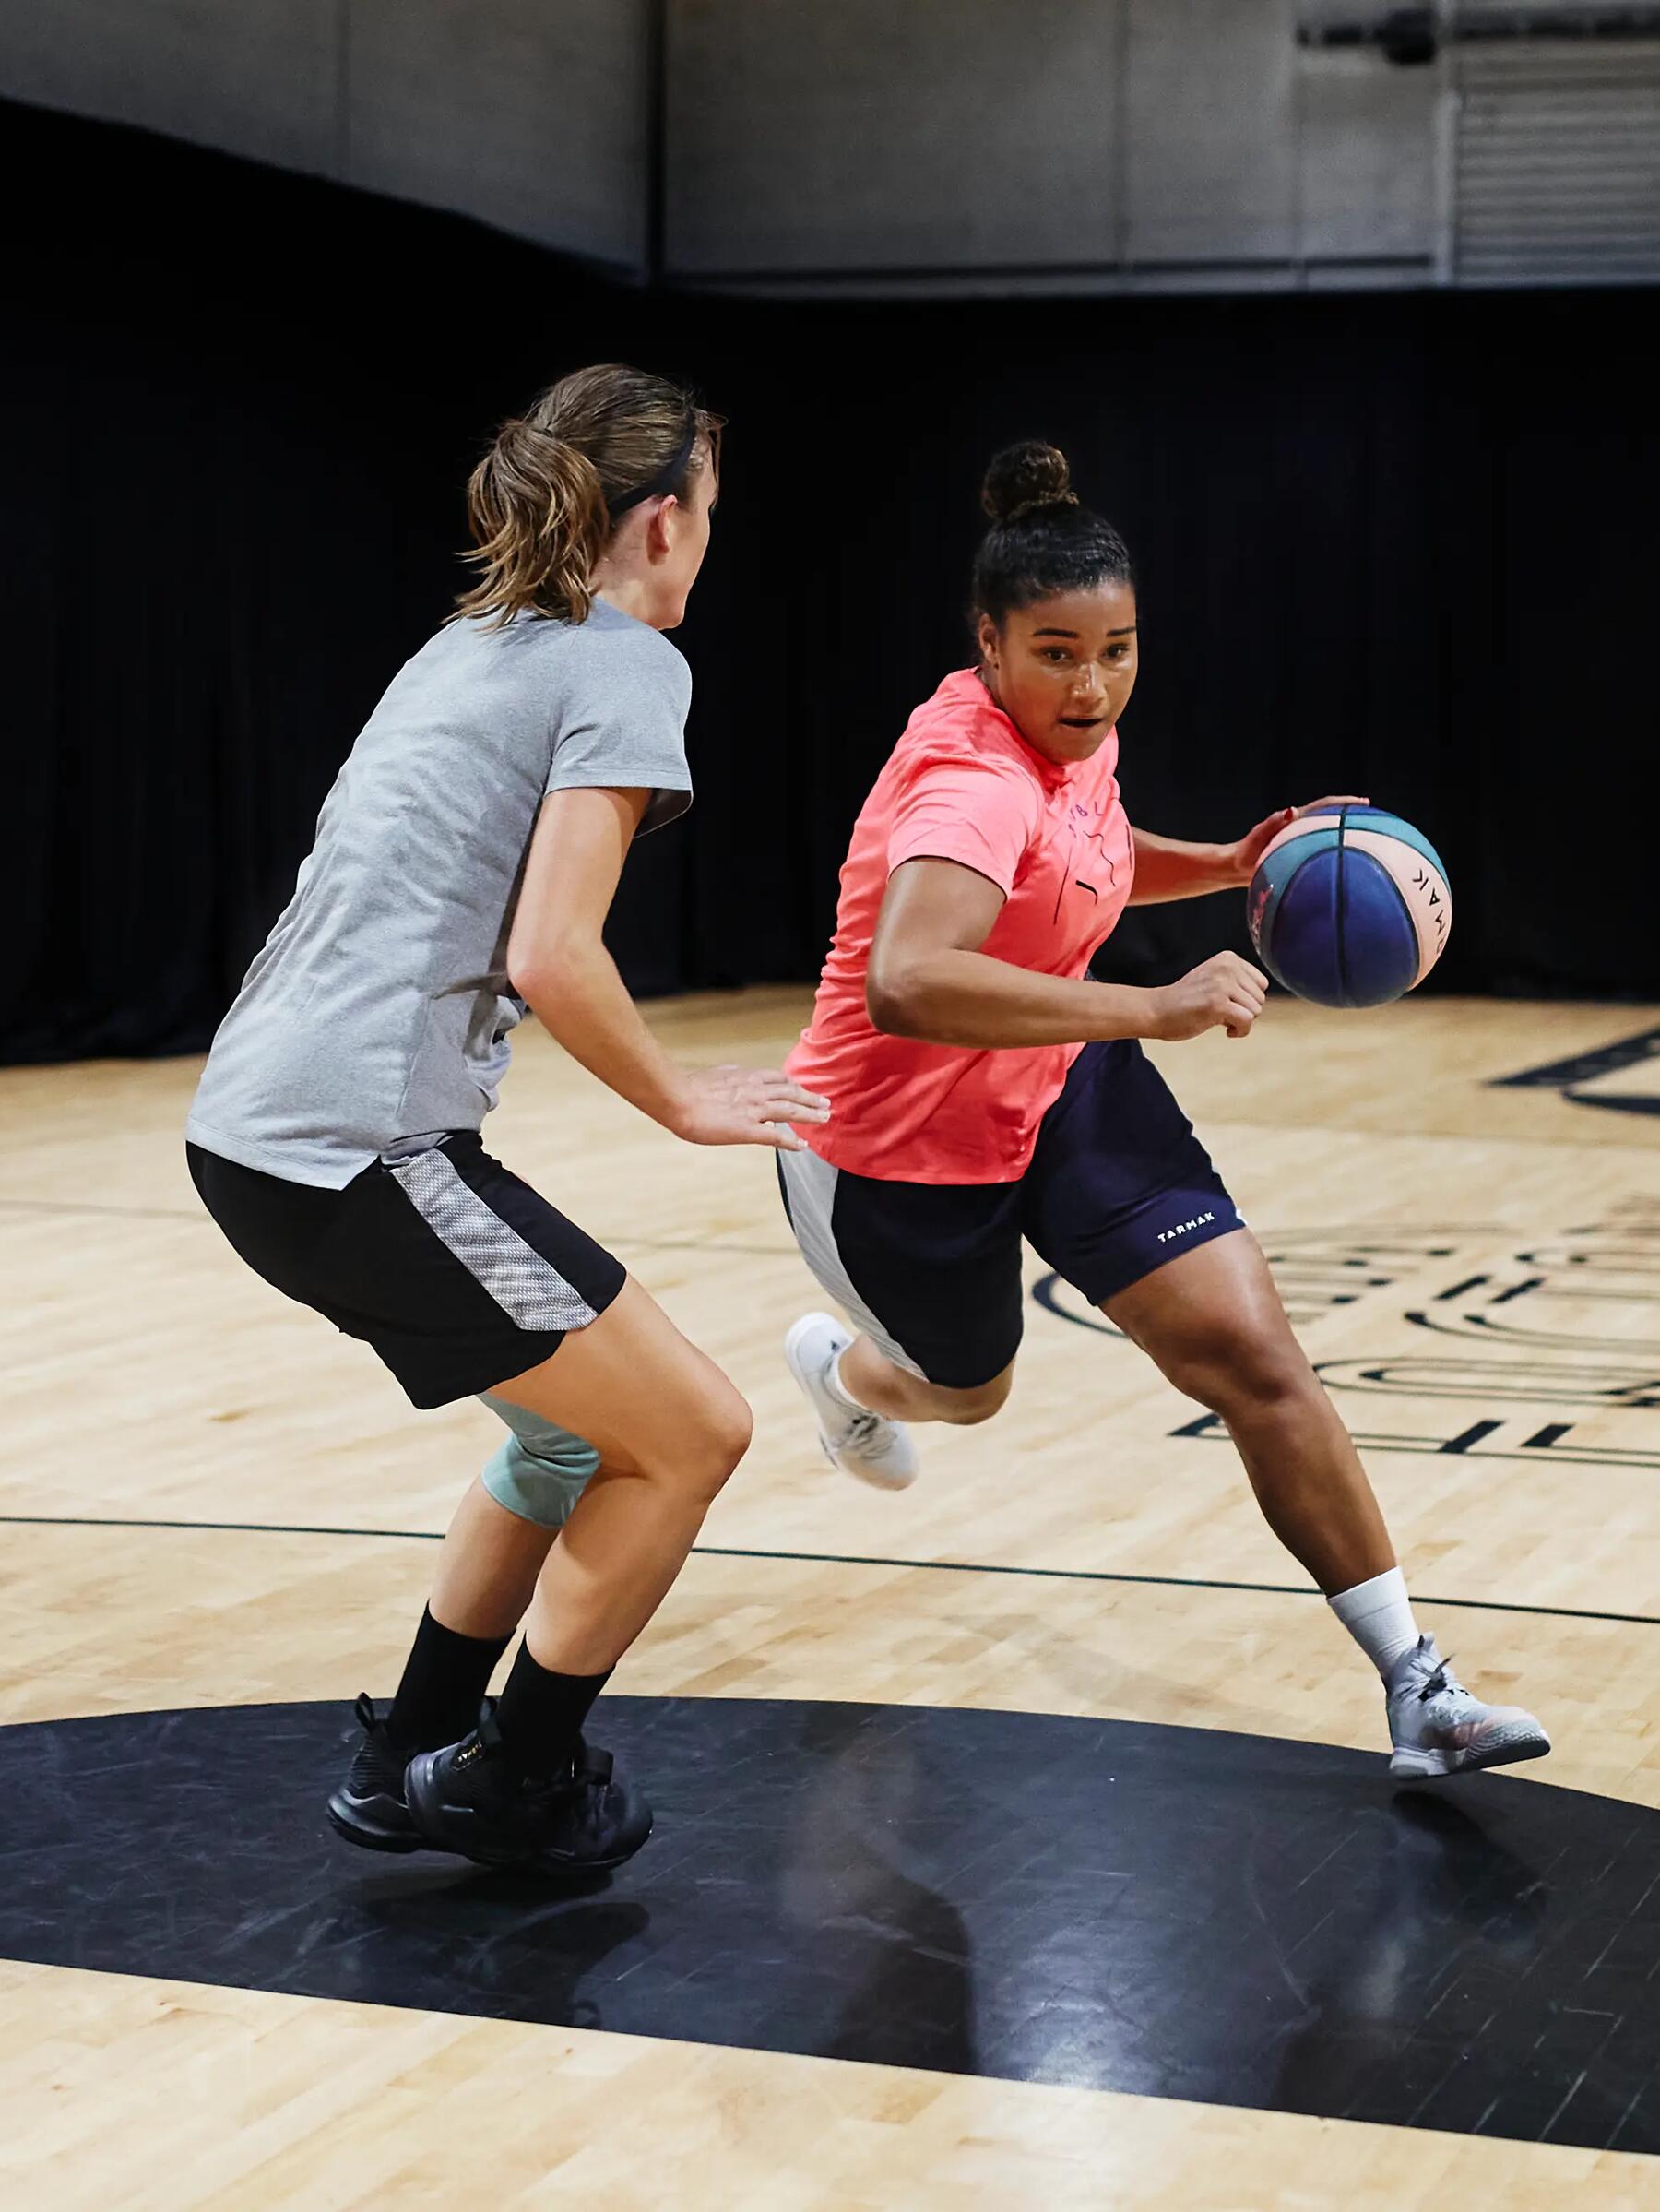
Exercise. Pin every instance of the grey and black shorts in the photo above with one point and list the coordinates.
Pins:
(456, 1272)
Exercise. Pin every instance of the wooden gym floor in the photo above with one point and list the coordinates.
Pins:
(190, 1465)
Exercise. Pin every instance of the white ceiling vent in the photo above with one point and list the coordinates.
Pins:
(1557, 163)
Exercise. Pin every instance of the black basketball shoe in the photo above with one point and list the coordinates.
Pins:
(368, 1808)
(470, 1798)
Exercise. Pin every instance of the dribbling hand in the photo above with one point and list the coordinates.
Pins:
(733, 1105)
(1243, 858)
(1225, 993)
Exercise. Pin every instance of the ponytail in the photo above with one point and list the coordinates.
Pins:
(539, 523)
(544, 501)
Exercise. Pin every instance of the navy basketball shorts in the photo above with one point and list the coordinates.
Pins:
(457, 1273)
(1117, 1185)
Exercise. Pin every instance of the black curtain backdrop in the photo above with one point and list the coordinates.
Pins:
(1400, 544)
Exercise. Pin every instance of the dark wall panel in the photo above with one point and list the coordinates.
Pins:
(1399, 544)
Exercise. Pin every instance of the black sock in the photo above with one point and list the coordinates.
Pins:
(444, 1683)
(540, 1715)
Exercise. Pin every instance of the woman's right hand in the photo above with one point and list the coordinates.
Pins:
(1224, 993)
(743, 1106)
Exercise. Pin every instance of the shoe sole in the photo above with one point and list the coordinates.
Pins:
(534, 1862)
(859, 1473)
(368, 1835)
(435, 1835)
(1433, 1765)
(547, 1863)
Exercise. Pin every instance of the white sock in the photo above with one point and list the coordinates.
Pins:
(1377, 1614)
(838, 1389)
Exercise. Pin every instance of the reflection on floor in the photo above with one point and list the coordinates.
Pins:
(1164, 1910)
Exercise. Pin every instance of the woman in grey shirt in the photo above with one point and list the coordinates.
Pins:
(463, 865)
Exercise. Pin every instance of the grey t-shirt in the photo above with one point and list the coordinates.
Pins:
(380, 1010)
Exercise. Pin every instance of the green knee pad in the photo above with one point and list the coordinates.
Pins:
(540, 1470)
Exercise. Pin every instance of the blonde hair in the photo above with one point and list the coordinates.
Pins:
(541, 505)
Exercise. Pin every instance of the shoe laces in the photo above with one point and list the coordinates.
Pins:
(1443, 1680)
(587, 1765)
(861, 1431)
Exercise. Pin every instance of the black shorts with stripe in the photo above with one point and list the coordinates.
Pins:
(457, 1273)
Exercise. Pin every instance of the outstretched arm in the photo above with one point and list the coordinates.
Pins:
(1168, 868)
(558, 964)
(929, 980)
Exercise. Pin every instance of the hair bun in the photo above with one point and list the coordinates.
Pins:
(1022, 477)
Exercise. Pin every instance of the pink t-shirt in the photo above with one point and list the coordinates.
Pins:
(963, 785)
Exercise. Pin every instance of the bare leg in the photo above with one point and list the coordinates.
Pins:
(487, 1567)
(669, 1429)
(1214, 1322)
(894, 1392)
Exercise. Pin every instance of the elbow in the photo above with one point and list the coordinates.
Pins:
(540, 972)
(529, 979)
(893, 1001)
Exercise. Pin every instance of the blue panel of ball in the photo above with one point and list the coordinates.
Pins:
(1301, 941)
(1268, 887)
(1377, 946)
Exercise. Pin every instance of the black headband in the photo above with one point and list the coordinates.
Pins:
(665, 480)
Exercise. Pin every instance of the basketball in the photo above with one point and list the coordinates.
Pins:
(1349, 907)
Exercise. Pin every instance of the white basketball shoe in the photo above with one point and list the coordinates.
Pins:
(1439, 1728)
(878, 1451)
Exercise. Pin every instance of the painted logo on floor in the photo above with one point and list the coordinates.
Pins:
(1508, 1348)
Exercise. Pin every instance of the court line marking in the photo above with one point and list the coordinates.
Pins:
(850, 1559)
(1551, 1140)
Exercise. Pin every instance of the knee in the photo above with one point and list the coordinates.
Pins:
(540, 1469)
(1237, 1370)
(541, 1481)
(968, 1408)
(716, 1441)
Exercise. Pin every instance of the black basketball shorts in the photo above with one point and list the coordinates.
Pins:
(1117, 1185)
(457, 1273)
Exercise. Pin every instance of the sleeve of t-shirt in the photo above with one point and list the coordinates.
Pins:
(975, 813)
(621, 724)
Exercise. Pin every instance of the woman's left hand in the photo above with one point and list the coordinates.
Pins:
(1243, 857)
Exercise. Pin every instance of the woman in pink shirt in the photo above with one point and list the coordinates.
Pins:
(985, 1089)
